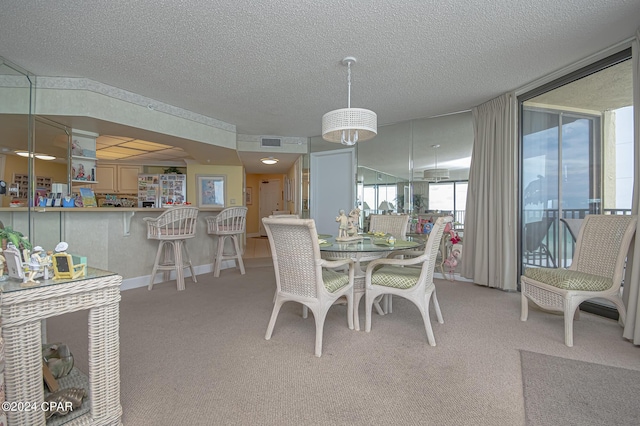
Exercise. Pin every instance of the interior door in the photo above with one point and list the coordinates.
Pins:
(332, 187)
(270, 200)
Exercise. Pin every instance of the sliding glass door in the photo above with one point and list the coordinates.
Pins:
(576, 157)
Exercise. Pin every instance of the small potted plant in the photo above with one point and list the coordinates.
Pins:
(17, 238)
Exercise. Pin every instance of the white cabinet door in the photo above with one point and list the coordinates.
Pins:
(107, 179)
(128, 179)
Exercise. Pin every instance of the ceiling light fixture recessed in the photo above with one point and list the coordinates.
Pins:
(269, 160)
(349, 125)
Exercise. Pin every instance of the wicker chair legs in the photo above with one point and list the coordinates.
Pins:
(220, 256)
(173, 260)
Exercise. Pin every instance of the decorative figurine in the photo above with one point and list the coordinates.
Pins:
(348, 230)
(63, 266)
(38, 265)
(344, 224)
(452, 262)
(61, 247)
(354, 220)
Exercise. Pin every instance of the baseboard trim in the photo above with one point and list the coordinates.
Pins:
(143, 281)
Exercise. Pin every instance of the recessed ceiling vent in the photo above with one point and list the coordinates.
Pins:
(271, 142)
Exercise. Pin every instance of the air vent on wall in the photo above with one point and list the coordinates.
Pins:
(271, 142)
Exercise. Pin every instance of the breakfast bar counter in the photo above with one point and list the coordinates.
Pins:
(111, 238)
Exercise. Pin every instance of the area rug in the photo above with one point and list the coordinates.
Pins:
(560, 391)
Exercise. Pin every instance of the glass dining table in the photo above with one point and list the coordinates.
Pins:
(364, 250)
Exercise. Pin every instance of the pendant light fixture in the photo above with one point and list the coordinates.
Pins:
(349, 125)
(436, 174)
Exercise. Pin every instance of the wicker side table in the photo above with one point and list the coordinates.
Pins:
(21, 312)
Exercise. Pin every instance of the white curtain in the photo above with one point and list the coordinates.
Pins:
(490, 234)
(631, 294)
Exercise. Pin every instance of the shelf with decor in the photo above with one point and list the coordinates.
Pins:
(83, 157)
(22, 180)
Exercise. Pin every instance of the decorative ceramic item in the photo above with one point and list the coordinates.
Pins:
(63, 401)
(14, 263)
(354, 221)
(348, 229)
(68, 201)
(61, 247)
(344, 224)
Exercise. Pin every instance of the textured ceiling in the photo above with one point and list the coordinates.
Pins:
(273, 68)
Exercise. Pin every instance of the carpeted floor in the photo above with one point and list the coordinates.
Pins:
(561, 391)
(199, 356)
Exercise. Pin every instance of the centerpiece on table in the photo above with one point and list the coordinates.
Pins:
(348, 229)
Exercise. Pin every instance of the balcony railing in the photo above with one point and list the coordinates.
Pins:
(556, 245)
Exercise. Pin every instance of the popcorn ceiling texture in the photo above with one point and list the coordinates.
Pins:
(273, 68)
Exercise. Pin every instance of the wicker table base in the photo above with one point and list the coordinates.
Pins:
(20, 316)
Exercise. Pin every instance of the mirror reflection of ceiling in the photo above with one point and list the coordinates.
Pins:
(111, 148)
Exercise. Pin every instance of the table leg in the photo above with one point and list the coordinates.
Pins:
(23, 371)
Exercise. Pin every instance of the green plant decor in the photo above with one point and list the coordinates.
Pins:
(419, 201)
(172, 170)
(17, 238)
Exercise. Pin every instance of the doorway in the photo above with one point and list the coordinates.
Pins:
(270, 200)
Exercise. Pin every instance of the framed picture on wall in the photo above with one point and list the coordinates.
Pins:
(210, 190)
(249, 196)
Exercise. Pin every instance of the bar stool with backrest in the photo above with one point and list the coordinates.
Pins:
(230, 222)
(172, 228)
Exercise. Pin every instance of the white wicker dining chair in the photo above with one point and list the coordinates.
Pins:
(230, 222)
(172, 228)
(596, 271)
(303, 276)
(394, 277)
(393, 224)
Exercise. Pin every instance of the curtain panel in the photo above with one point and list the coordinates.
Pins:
(631, 292)
(490, 247)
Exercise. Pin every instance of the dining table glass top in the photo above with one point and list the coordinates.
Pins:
(369, 244)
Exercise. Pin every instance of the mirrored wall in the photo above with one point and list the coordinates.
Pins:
(25, 164)
(394, 170)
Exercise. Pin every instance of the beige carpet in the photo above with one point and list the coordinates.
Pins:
(560, 391)
(199, 357)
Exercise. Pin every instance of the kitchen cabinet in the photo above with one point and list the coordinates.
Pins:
(117, 179)
(128, 179)
(107, 176)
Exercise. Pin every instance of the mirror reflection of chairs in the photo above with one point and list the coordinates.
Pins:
(536, 249)
(172, 228)
(229, 223)
(392, 224)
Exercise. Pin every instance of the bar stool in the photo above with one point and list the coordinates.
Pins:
(173, 227)
(230, 222)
